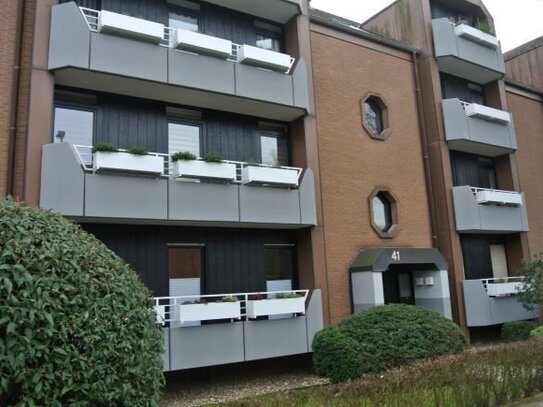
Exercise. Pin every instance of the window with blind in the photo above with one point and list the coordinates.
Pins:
(184, 137)
(77, 125)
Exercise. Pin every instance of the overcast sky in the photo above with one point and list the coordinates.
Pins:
(517, 21)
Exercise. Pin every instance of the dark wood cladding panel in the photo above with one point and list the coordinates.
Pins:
(233, 258)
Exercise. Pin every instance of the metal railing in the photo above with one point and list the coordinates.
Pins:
(192, 309)
(92, 17)
(475, 190)
(85, 155)
(503, 286)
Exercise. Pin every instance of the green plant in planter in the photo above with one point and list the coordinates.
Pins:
(104, 147)
(211, 158)
(138, 150)
(484, 26)
(287, 295)
(229, 298)
(183, 156)
(537, 332)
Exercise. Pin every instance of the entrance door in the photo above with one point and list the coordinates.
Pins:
(185, 267)
(398, 286)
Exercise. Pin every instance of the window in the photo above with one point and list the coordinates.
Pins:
(73, 125)
(279, 262)
(383, 212)
(273, 144)
(184, 137)
(184, 15)
(375, 116)
(268, 36)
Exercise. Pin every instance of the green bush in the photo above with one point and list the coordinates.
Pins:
(183, 156)
(104, 147)
(211, 158)
(537, 332)
(388, 336)
(76, 326)
(138, 150)
(517, 331)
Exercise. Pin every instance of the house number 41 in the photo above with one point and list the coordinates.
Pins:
(396, 255)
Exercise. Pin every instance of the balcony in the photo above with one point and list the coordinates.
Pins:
(494, 301)
(75, 182)
(235, 335)
(479, 210)
(478, 129)
(466, 52)
(110, 52)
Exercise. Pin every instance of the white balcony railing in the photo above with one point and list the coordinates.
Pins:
(271, 60)
(275, 175)
(497, 197)
(232, 306)
(503, 287)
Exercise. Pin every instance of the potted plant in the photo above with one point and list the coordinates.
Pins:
(258, 174)
(278, 304)
(226, 308)
(186, 165)
(136, 160)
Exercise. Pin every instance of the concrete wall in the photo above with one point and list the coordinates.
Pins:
(432, 291)
(367, 290)
(524, 64)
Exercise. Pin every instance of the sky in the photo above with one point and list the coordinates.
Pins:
(517, 21)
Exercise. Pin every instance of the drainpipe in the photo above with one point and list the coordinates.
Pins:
(12, 138)
(426, 159)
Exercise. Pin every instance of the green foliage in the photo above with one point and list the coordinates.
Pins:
(138, 150)
(76, 326)
(104, 147)
(537, 332)
(183, 156)
(517, 331)
(484, 26)
(211, 158)
(531, 294)
(288, 295)
(389, 336)
(229, 298)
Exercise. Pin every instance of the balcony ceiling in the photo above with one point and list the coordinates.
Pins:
(280, 11)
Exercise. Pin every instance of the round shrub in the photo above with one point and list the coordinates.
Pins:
(537, 332)
(385, 337)
(76, 326)
(517, 331)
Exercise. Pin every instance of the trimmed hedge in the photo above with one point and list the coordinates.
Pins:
(517, 331)
(384, 337)
(76, 326)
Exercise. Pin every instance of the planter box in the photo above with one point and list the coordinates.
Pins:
(202, 44)
(488, 113)
(201, 169)
(264, 58)
(269, 175)
(131, 27)
(502, 289)
(208, 312)
(473, 34)
(126, 162)
(257, 308)
(499, 197)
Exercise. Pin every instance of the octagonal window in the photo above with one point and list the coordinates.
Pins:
(383, 212)
(375, 116)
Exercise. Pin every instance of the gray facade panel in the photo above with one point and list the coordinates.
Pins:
(300, 83)
(166, 354)
(122, 56)
(274, 338)
(313, 316)
(201, 72)
(206, 345)
(204, 202)
(265, 85)
(62, 180)
(269, 205)
(441, 305)
(308, 208)
(69, 38)
(108, 196)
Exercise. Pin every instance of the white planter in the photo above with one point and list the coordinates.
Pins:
(270, 175)
(499, 197)
(278, 306)
(126, 26)
(264, 58)
(202, 44)
(126, 162)
(208, 312)
(201, 169)
(487, 113)
(502, 289)
(473, 34)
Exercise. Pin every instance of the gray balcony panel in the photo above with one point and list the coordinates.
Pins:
(280, 11)
(206, 345)
(69, 39)
(124, 197)
(314, 319)
(482, 310)
(308, 208)
(261, 84)
(203, 202)
(166, 354)
(126, 57)
(269, 205)
(202, 72)
(463, 58)
(472, 217)
(474, 135)
(62, 180)
(300, 81)
(274, 338)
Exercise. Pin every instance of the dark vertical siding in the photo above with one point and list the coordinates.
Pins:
(234, 258)
(228, 24)
(476, 254)
(467, 169)
(94, 4)
(153, 10)
(454, 87)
